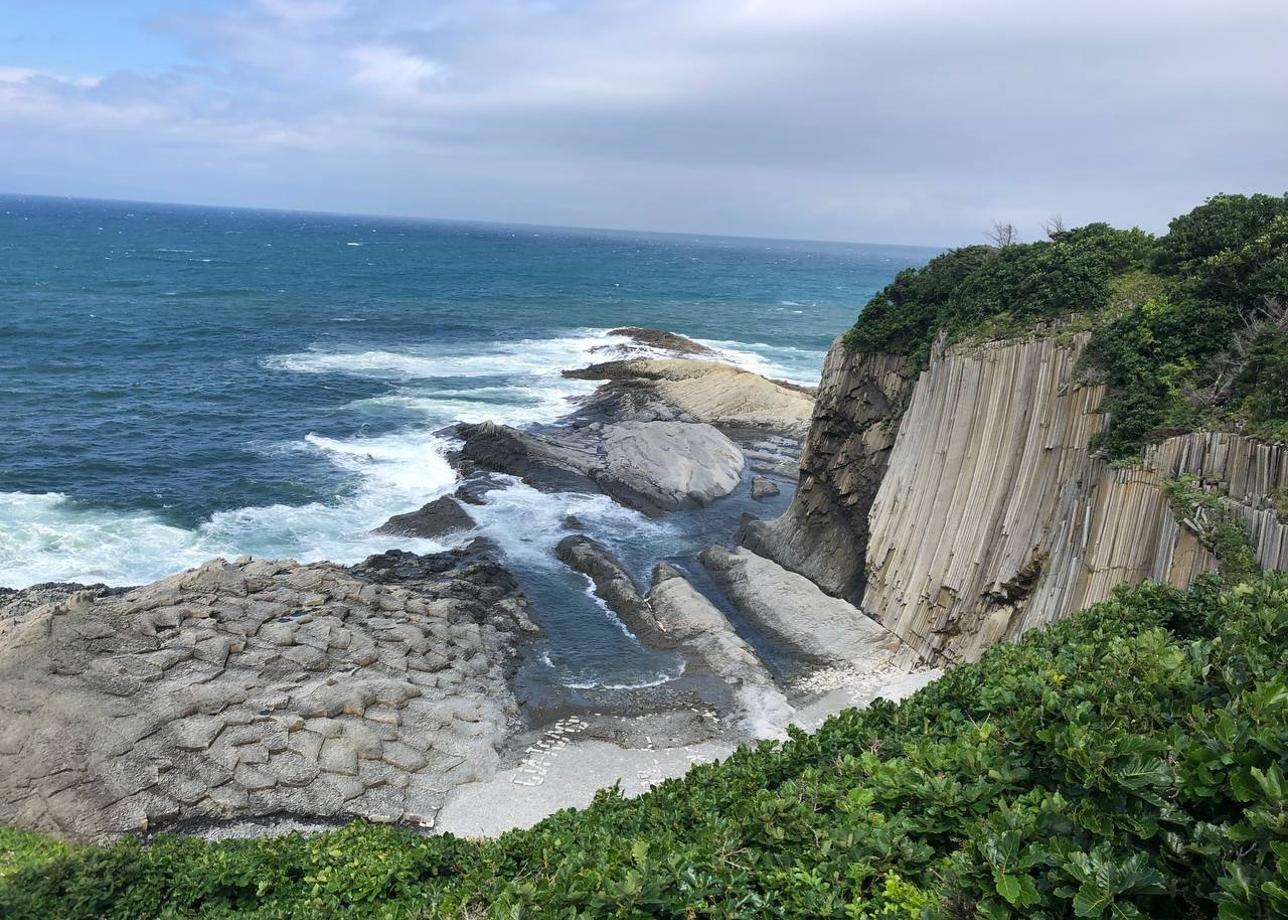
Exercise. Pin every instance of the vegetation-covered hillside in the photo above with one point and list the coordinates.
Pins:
(1128, 762)
(1190, 329)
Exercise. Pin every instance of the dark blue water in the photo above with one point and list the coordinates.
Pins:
(177, 382)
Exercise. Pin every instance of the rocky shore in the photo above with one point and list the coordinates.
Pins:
(255, 696)
(240, 691)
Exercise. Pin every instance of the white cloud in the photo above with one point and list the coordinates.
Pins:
(881, 119)
(305, 10)
(392, 72)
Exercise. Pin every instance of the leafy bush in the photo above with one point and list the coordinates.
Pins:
(1127, 762)
(1162, 313)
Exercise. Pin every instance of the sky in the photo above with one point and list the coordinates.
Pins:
(900, 121)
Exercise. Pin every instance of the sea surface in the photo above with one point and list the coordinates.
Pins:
(179, 383)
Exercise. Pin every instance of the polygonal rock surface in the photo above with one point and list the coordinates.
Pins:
(233, 691)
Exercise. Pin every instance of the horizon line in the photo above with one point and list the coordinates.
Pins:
(463, 220)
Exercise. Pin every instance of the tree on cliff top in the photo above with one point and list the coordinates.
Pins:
(1164, 311)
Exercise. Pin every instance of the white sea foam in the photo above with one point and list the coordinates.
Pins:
(509, 405)
(48, 537)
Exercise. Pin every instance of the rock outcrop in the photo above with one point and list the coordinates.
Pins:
(614, 587)
(653, 467)
(718, 394)
(675, 615)
(791, 610)
(643, 339)
(246, 691)
(825, 530)
(442, 516)
(970, 507)
(691, 620)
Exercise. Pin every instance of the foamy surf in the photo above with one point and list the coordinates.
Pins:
(49, 537)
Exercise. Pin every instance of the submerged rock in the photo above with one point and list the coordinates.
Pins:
(232, 693)
(762, 488)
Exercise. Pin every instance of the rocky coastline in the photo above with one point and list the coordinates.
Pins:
(253, 696)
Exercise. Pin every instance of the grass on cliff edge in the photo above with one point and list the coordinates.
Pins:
(1128, 762)
(1189, 329)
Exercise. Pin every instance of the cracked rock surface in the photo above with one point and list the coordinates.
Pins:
(236, 692)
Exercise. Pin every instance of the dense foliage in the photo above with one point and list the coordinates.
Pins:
(1188, 329)
(1128, 762)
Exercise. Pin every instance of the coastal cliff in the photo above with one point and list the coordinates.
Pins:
(843, 459)
(970, 506)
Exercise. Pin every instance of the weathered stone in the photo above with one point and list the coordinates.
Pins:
(197, 733)
(208, 695)
(338, 756)
(403, 757)
(251, 779)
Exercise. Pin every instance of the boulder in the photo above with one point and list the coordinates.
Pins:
(763, 488)
(654, 467)
(665, 466)
(436, 519)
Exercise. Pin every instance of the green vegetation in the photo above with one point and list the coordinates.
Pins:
(1188, 329)
(1128, 762)
(1217, 528)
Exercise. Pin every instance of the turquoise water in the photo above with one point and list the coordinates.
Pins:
(178, 383)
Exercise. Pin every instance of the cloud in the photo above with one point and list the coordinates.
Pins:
(901, 120)
(392, 72)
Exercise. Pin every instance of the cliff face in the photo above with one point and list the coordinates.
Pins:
(824, 531)
(987, 513)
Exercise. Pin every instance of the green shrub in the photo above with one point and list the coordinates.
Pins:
(1162, 312)
(1127, 762)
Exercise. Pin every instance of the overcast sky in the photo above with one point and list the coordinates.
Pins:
(915, 121)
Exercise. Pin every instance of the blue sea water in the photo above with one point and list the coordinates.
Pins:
(178, 383)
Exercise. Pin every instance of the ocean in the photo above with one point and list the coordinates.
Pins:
(179, 383)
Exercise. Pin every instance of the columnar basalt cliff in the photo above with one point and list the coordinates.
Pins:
(971, 507)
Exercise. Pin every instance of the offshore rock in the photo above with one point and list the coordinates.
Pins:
(653, 340)
(653, 467)
(235, 693)
(435, 519)
(732, 399)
